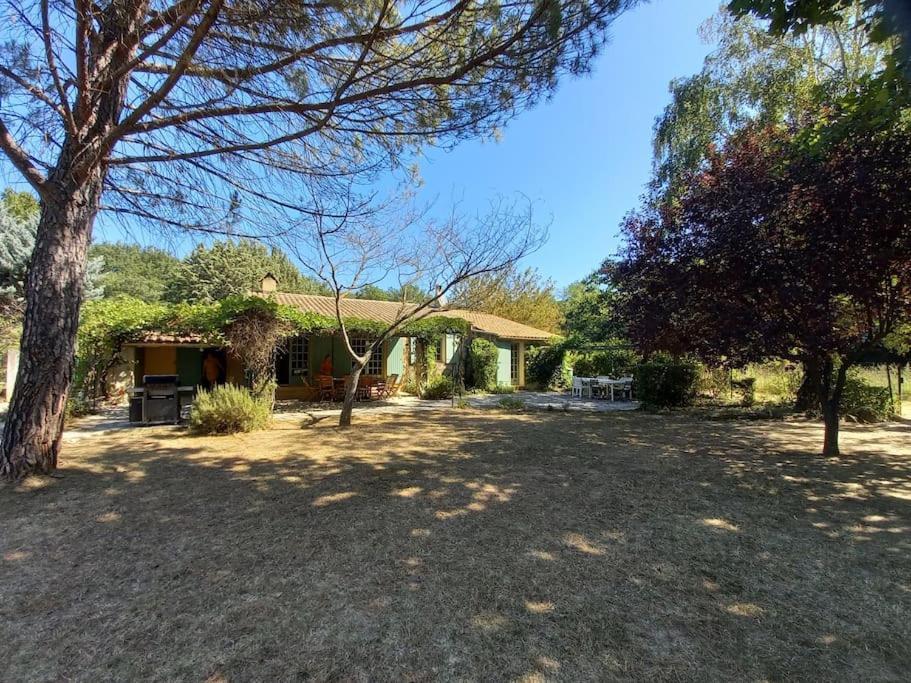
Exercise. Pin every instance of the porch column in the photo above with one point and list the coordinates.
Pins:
(521, 363)
(12, 368)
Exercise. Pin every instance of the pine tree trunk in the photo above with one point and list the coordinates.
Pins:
(344, 419)
(72, 196)
(34, 424)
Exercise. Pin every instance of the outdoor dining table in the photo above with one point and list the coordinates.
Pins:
(605, 384)
(609, 384)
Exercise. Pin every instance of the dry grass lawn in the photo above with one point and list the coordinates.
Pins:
(463, 546)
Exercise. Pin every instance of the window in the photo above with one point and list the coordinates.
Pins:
(514, 364)
(299, 355)
(375, 364)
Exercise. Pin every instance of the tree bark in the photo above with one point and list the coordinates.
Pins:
(34, 425)
(70, 200)
(830, 399)
(808, 394)
(831, 421)
(344, 419)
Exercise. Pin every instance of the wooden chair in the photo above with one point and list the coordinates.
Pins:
(364, 388)
(390, 386)
(326, 388)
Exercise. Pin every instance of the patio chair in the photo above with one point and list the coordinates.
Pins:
(364, 388)
(625, 389)
(326, 388)
(391, 386)
(582, 387)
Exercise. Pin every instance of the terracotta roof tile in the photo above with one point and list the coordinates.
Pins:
(160, 338)
(388, 311)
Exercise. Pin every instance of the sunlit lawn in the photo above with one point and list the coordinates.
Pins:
(465, 545)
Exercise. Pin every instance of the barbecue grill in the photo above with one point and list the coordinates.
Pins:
(160, 401)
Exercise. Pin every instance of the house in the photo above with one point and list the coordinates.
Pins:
(304, 357)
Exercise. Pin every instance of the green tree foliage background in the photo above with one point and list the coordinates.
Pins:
(521, 295)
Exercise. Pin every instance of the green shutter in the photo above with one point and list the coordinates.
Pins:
(189, 366)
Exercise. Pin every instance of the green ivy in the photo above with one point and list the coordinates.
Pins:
(126, 319)
(107, 325)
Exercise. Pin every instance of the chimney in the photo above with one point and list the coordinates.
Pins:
(268, 284)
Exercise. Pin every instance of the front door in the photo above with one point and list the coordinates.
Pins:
(214, 367)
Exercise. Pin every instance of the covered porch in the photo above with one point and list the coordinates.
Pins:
(302, 364)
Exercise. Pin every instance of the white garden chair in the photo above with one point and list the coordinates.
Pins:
(582, 387)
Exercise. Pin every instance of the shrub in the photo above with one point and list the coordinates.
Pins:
(747, 389)
(866, 403)
(228, 409)
(77, 407)
(548, 367)
(611, 363)
(713, 381)
(665, 384)
(437, 388)
(776, 380)
(511, 403)
(481, 370)
(503, 389)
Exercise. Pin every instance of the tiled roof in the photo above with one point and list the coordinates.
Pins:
(388, 311)
(159, 338)
(365, 309)
(497, 326)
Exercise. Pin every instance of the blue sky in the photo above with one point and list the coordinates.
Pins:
(585, 156)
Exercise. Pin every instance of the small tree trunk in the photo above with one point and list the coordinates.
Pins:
(830, 398)
(808, 394)
(34, 424)
(889, 383)
(344, 419)
(830, 418)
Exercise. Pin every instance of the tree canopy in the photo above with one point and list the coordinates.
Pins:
(234, 267)
(753, 75)
(18, 226)
(783, 247)
(587, 307)
(521, 295)
(132, 270)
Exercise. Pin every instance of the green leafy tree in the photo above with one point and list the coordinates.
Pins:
(226, 268)
(139, 272)
(884, 20)
(21, 205)
(18, 225)
(407, 292)
(521, 295)
(587, 308)
(757, 76)
(782, 248)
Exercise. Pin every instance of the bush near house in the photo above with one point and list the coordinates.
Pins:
(609, 363)
(548, 367)
(228, 409)
(437, 388)
(482, 365)
(664, 383)
(866, 403)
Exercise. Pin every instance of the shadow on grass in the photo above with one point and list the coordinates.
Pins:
(463, 545)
